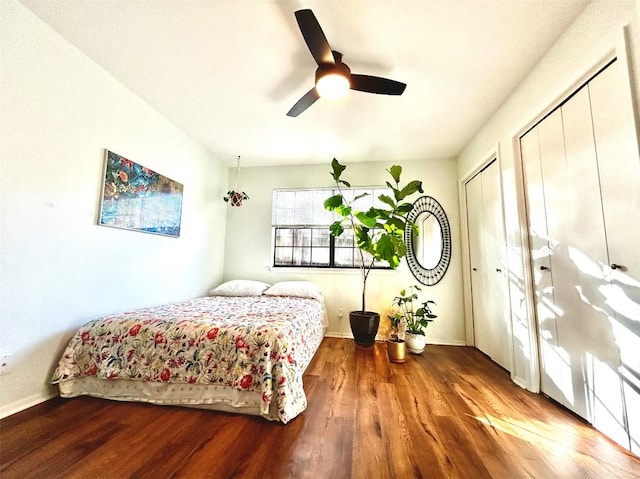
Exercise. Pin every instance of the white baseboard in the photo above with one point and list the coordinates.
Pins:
(22, 404)
(338, 335)
(440, 342)
(446, 342)
(520, 382)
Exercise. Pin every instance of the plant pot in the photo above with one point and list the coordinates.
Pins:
(236, 199)
(364, 326)
(397, 350)
(415, 342)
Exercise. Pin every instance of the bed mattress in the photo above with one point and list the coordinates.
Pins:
(240, 354)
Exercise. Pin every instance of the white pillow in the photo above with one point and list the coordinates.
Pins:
(300, 289)
(240, 287)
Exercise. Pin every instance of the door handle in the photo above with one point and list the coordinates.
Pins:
(616, 266)
(498, 270)
(475, 269)
(543, 268)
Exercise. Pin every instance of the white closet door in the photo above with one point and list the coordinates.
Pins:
(486, 257)
(554, 370)
(479, 278)
(558, 200)
(495, 264)
(586, 329)
(619, 166)
(582, 178)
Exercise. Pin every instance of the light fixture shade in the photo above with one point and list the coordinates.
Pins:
(332, 84)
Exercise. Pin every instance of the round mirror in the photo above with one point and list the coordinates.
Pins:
(428, 251)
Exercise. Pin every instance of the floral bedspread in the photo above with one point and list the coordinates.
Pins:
(257, 343)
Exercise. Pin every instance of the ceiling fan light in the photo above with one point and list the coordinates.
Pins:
(332, 85)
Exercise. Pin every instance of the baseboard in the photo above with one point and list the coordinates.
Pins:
(439, 342)
(338, 335)
(520, 382)
(446, 342)
(21, 405)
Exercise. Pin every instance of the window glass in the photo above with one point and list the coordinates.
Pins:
(301, 228)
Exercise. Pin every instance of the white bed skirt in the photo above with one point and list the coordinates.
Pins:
(202, 396)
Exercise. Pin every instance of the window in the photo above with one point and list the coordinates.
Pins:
(301, 235)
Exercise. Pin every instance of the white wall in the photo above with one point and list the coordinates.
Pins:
(248, 243)
(596, 31)
(58, 268)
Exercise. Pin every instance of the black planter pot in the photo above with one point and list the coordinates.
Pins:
(364, 326)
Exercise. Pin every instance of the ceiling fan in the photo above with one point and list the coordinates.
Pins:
(333, 77)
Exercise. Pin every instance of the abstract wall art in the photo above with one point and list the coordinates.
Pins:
(137, 198)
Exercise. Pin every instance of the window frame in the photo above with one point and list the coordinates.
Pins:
(331, 265)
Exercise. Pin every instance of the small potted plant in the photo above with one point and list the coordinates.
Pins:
(235, 198)
(416, 320)
(396, 346)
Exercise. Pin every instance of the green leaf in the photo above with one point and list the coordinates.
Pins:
(388, 200)
(404, 208)
(366, 219)
(410, 189)
(337, 170)
(343, 210)
(386, 249)
(336, 228)
(401, 247)
(359, 196)
(396, 223)
(395, 171)
(365, 243)
(333, 202)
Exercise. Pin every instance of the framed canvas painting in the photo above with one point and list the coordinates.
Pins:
(137, 198)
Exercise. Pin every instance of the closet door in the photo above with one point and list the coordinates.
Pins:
(582, 180)
(486, 257)
(619, 166)
(586, 327)
(554, 369)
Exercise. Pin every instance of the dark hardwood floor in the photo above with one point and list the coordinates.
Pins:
(450, 412)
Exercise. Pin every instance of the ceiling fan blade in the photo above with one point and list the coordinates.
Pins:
(314, 36)
(305, 102)
(371, 84)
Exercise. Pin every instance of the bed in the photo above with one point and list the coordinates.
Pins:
(242, 349)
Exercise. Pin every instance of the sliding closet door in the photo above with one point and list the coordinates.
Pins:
(487, 259)
(619, 166)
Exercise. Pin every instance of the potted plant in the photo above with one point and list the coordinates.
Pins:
(235, 197)
(396, 346)
(378, 233)
(416, 320)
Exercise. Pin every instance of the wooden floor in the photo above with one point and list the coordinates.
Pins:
(450, 412)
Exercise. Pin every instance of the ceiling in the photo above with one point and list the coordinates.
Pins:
(227, 71)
